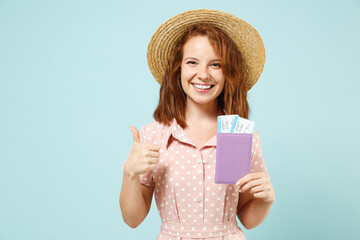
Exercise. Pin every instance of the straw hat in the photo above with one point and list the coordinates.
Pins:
(246, 38)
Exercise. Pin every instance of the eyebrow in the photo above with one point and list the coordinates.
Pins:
(192, 58)
(188, 58)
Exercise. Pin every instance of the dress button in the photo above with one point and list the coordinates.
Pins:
(197, 200)
(198, 161)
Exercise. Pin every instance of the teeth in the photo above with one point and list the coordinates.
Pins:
(202, 86)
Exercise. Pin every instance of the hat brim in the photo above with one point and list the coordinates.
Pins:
(246, 38)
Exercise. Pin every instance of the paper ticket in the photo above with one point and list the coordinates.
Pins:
(225, 123)
(235, 124)
(243, 125)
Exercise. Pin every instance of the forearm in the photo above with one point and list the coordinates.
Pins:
(254, 213)
(133, 205)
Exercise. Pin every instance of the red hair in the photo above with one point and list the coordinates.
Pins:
(233, 98)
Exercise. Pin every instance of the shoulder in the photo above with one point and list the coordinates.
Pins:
(153, 132)
(256, 134)
(153, 127)
(256, 137)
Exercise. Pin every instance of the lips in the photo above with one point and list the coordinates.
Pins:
(201, 87)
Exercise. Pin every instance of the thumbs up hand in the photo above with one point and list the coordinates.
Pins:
(143, 157)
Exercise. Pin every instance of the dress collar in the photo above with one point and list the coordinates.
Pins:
(177, 132)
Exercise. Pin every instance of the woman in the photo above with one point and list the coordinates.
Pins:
(205, 69)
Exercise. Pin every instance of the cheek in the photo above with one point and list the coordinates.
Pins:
(184, 85)
(184, 81)
(186, 75)
(220, 80)
(186, 72)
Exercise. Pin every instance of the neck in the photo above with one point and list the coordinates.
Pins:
(201, 113)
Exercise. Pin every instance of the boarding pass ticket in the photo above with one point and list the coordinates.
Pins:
(234, 124)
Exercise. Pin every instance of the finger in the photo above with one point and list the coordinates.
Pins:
(151, 167)
(153, 147)
(152, 154)
(136, 136)
(257, 189)
(251, 184)
(250, 177)
(261, 194)
(154, 161)
(246, 179)
(147, 153)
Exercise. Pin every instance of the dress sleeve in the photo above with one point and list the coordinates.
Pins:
(146, 178)
(257, 160)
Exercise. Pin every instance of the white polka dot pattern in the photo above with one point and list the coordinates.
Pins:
(185, 192)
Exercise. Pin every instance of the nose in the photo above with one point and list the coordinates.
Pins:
(203, 73)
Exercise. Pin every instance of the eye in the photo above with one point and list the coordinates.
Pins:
(191, 62)
(216, 65)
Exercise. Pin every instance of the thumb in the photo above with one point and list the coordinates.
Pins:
(136, 136)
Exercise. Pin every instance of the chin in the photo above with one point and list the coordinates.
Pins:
(203, 101)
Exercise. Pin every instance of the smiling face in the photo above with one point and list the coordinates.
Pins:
(228, 97)
(201, 75)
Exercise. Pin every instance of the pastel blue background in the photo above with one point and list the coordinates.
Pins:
(74, 77)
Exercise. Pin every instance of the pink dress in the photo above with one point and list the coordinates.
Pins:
(190, 205)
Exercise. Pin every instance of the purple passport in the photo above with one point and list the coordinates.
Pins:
(233, 157)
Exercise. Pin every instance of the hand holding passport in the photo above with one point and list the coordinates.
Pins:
(233, 148)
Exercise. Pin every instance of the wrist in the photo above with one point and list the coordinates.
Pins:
(128, 173)
(131, 175)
